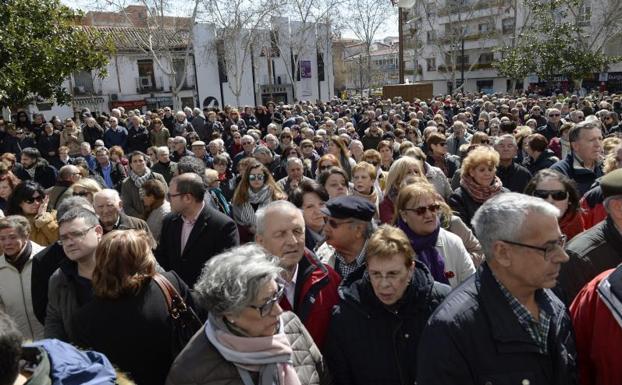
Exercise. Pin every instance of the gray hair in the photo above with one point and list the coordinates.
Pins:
(180, 139)
(90, 219)
(588, 124)
(73, 202)
(162, 150)
(262, 213)
(17, 222)
(503, 216)
(291, 161)
(232, 280)
(108, 193)
(261, 149)
(503, 137)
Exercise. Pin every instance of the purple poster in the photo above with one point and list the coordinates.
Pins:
(305, 69)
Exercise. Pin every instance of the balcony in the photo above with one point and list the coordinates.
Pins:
(146, 84)
(82, 90)
(467, 67)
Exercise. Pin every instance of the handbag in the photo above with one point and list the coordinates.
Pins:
(185, 321)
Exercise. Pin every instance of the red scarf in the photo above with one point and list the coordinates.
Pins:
(480, 194)
(571, 224)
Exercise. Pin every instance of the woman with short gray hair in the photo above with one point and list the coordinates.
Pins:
(248, 339)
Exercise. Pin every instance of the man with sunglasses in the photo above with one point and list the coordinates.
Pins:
(348, 226)
(310, 286)
(504, 324)
(599, 248)
(553, 124)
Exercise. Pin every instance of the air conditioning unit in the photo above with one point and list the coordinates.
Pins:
(114, 97)
(145, 81)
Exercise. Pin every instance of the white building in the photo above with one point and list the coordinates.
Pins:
(137, 80)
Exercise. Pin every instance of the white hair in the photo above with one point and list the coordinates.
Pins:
(262, 214)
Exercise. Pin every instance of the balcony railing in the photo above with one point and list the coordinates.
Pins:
(145, 84)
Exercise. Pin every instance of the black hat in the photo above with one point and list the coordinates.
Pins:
(350, 207)
(611, 184)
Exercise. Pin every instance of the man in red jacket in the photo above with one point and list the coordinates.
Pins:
(597, 319)
(310, 286)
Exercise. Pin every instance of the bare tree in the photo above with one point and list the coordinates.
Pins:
(240, 27)
(303, 32)
(365, 18)
(166, 39)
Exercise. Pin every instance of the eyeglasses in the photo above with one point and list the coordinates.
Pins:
(325, 167)
(333, 223)
(254, 177)
(553, 115)
(433, 208)
(267, 307)
(549, 249)
(169, 195)
(557, 195)
(73, 236)
(32, 200)
(391, 276)
(80, 193)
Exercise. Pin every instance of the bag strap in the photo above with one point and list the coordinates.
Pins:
(174, 302)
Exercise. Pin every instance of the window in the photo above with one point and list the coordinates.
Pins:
(178, 65)
(584, 15)
(507, 25)
(483, 28)
(274, 44)
(146, 77)
(83, 83)
(320, 66)
(430, 37)
(486, 58)
(431, 64)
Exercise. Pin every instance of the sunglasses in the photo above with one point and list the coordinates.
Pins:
(333, 223)
(32, 200)
(553, 115)
(80, 193)
(423, 209)
(325, 167)
(557, 195)
(254, 177)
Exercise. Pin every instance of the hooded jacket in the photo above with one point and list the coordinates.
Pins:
(370, 343)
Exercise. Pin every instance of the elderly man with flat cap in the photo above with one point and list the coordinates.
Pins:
(599, 248)
(348, 226)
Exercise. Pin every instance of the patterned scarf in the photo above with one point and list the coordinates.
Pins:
(480, 194)
(245, 214)
(139, 181)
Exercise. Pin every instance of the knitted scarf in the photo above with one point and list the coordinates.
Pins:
(480, 193)
(245, 214)
(140, 180)
(270, 356)
(425, 247)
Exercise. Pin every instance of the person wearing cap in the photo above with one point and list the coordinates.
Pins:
(348, 226)
(375, 328)
(596, 249)
(200, 152)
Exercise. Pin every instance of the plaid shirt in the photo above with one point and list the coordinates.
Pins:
(343, 268)
(538, 330)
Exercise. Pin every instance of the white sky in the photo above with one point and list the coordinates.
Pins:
(389, 29)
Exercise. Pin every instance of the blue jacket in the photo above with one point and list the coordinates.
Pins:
(583, 177)
(116, 138)
(70, 366)
(474, 337)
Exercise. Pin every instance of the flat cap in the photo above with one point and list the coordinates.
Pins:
(350, 207)
(611, 184)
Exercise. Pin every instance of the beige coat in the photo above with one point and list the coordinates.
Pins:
(201, 364)
(16, 297)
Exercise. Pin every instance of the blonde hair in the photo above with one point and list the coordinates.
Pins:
(610, 143)
(366, 167)
(415, 193)
(480, 155)
(388, 241)
(399, 169)
(88, 184)
(611, 163)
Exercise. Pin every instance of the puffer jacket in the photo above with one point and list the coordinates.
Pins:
(370, 344)
(201, 364)
(16, 295)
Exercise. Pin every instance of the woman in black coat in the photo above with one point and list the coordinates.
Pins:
(128, 320)
(383, 309)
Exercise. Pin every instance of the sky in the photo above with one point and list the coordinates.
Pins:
(389, 29)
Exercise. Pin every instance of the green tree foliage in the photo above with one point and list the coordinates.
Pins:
(555, 42)
(41, 44)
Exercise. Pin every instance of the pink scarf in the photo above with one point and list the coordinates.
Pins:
(480, 194)
(270, 356)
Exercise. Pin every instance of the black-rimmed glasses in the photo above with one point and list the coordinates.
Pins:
(266, 308)
(549, 249)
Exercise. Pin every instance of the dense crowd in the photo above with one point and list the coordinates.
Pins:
(471, 239)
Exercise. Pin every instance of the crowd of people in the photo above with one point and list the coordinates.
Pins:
(467, 239)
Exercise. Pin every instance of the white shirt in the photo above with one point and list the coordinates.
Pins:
(290, 288)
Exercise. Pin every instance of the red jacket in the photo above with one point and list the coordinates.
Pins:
(315, 296)
(598, 337)
(387, 210)
(592, 208)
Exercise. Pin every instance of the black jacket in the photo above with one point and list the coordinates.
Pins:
(44, 264)
(213, 233)
(45, 174)
(514, 177)
(583, 177)
(47, 144)
(591, 252)
(369, 343)
(463, 204)
(133, 331)
(474, 337)
(545, 160)
(137, 139)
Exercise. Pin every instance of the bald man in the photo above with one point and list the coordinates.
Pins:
(109, 208)
(67, 176)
